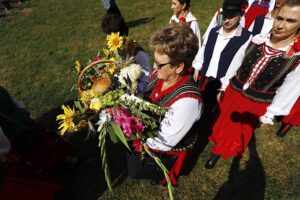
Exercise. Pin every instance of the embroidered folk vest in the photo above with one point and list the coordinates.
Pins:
(272, 75)
(184, 88)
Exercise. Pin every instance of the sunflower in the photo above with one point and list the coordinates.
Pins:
(114, 41)
(66, 123)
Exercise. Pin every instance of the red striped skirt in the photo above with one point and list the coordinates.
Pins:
(237, 120)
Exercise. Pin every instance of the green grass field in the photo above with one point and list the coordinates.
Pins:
(39, 44)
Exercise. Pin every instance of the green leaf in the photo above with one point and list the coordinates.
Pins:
(78, 105)
(112, 134)
(120, 134)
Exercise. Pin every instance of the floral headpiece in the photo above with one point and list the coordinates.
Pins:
(295, 48)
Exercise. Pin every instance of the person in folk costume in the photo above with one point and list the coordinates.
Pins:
(263, 24)
(223, 49)
(27, 154)
(182, 14)
(217, 19)
(257, 8)
(265, 85)
(172, 86)
(112, 23)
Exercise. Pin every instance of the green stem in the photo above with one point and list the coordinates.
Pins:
(105, 169)
(163, 168)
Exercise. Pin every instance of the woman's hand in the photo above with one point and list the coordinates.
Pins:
(196, 74)
(264, 121)
(220, 96)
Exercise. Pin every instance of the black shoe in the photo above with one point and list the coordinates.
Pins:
(212, 161)
(283, 130)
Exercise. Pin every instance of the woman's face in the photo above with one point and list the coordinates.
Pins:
(177, 8)
(165, 70)
(286, 23)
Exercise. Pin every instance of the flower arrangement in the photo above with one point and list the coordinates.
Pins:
(108, 105)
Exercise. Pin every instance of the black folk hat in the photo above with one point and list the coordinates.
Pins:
(233, 7)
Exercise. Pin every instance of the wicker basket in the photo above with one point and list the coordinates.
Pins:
(85, 70)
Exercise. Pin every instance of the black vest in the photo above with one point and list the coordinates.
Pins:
(227, 54)
(263, 89)
(258, 25)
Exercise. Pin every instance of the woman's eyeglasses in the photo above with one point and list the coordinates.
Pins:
(159, 66)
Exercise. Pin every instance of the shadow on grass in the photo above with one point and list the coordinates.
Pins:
(140, 21)
(86, 180)
(245, 184)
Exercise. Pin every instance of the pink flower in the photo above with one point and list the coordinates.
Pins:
(96, 58)
(127, 129)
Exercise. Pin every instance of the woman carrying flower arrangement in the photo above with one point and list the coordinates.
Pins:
(265, 85)
(171, 86)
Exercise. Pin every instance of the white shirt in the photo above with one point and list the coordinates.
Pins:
(177, 122)
(195, 27)
(221, 42)
(286, 95)
(267, 25)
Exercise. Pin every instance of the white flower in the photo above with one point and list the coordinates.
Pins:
(133, 72)
(103, 118)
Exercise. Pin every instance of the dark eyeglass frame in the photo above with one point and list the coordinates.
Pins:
(159, 66)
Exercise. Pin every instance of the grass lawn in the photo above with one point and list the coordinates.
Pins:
(39, 44)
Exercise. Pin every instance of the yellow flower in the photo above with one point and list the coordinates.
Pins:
(96, 104)
(66, 123)
(106, 52)
(85, 96)
(114, 41)
(77, 66)
(112, 69)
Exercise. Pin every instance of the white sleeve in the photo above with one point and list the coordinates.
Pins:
(197, 61)
(201, 52)
(234, 65)
(286, 95)
(176, 123)
(271, 5)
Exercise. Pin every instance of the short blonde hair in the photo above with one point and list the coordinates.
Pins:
(178, 42)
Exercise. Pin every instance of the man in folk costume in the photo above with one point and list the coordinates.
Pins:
(171, 86)
(222, 50)
(266, 85)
